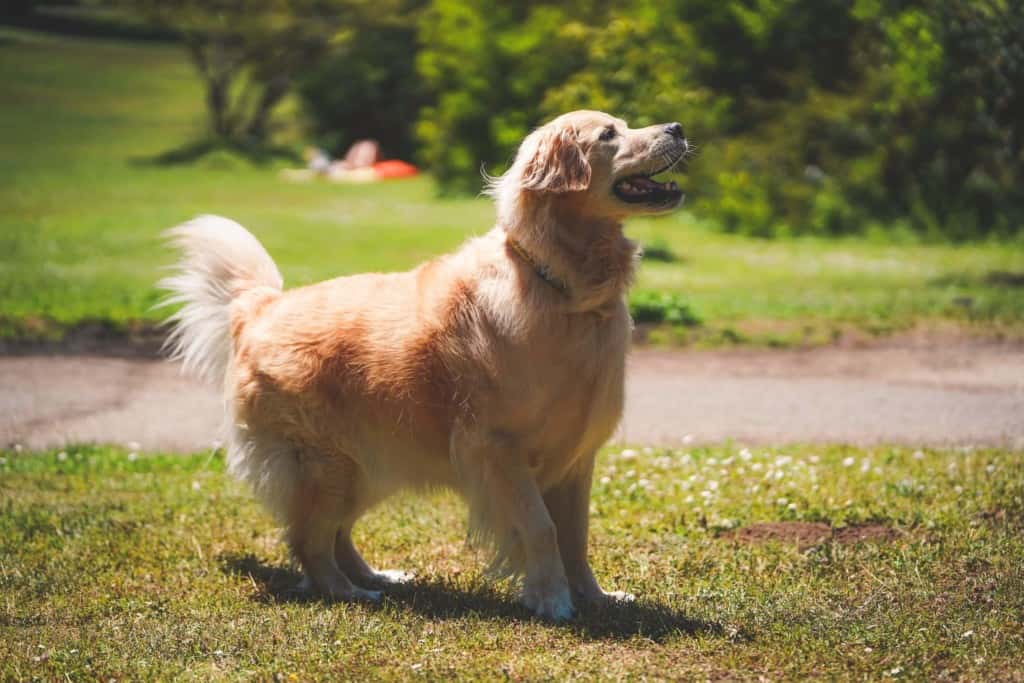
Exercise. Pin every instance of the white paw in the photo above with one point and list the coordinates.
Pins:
(612, 597)
(554, 605)
(392, 577)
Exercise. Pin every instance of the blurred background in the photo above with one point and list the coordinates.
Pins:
(860, 165)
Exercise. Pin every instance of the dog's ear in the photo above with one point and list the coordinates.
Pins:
(552, 161)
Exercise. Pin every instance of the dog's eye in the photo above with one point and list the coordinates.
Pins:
(607, 134)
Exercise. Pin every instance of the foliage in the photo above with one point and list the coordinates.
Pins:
(660, 307)
(249, 55)
(369, 89)
(91, 121)
(815, 116)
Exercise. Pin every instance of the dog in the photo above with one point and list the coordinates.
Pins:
(496, 371)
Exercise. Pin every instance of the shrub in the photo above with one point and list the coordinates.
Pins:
(658, 307)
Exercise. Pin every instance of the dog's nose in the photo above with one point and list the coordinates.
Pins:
(675, 130)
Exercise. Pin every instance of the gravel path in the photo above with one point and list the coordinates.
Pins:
(935, 395)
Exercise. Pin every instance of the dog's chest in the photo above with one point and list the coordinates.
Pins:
(573, 391)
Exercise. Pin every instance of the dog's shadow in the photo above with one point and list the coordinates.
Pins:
(439, 598)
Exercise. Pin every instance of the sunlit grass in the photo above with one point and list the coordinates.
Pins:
(115, 564)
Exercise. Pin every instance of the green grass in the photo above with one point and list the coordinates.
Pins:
(116, 565)
(87, 124)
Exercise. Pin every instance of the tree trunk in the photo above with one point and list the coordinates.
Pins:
(273, 93)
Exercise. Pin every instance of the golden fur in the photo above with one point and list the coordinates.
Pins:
(473, 371)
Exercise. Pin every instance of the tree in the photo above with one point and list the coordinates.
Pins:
(249, 54)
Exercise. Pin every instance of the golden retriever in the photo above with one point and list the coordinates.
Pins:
(496, 371)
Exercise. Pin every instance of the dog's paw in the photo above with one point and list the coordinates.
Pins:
(392, 577)
(614, 598)
(358, 594)
(595, 597)
(308, 588)
(553, 605)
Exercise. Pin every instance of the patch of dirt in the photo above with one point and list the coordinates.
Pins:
(864, 533)
(809, 534)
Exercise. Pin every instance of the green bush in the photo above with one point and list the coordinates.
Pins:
(659, 307)
(812, 116)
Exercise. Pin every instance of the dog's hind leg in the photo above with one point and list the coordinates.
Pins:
(319, 500)
(348, 558)
(355, 567)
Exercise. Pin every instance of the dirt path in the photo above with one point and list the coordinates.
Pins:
(959, 394)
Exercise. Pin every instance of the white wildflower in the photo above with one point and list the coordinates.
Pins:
(745, 454)
(133, 456)
(627, 454)
(712, 485)
(967, 634)
(133, 445)
(195, 485)
(791, 506)
(605, 480)
(62, 456)
(848, 462)
(782, 501)
(865, 465)
(918, 455)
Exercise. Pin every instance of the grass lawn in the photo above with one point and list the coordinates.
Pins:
(117, 565)
(86, 192)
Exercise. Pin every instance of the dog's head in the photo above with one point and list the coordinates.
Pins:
(599, 163)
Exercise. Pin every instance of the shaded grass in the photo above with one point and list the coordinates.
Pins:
(158, 566)
(102, 147)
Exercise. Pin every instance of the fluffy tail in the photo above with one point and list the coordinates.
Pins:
(221, 260)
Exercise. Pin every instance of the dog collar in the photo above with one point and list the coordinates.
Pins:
(542, 271)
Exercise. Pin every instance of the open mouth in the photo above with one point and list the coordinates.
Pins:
(644, 189)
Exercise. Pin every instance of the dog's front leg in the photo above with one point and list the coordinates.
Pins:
(569, 506)
(512, 501)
